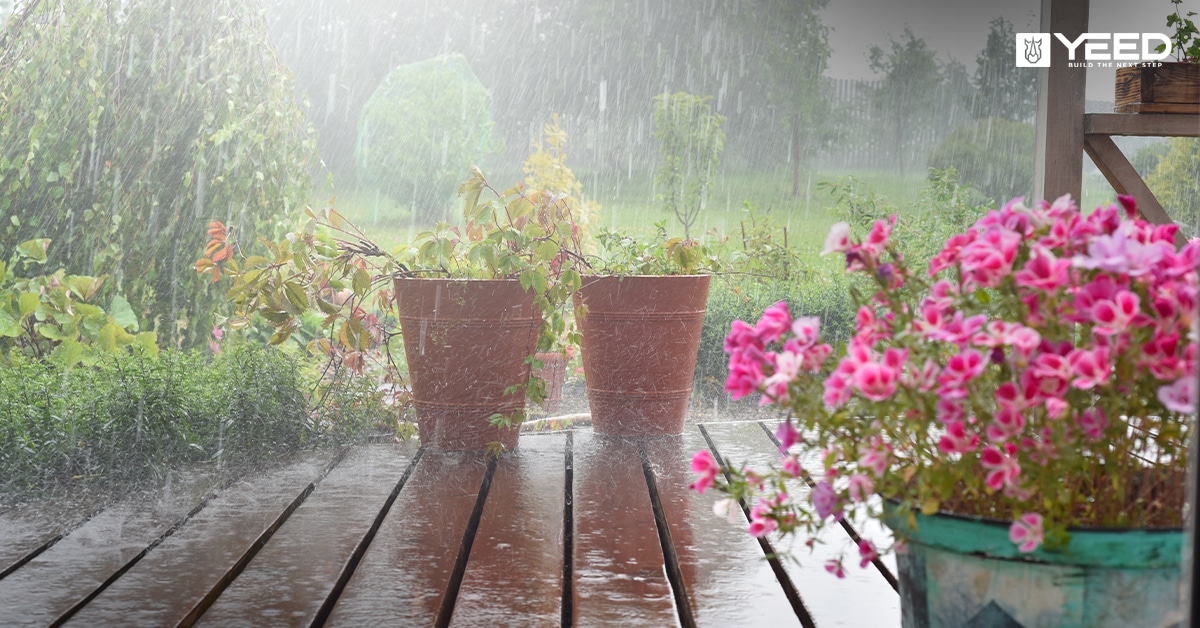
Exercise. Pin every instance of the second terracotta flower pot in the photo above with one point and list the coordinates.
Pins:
(640, 339)
(466, 342)
(554, 373)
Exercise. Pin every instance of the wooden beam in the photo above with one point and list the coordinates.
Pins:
(1058, 165)
(1126, 180)
(1147, 125)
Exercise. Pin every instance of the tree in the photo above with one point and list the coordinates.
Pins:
(428, 123)
(1004, 90)
(1176, 183)
(909, 90)
(690, 141)
(126, 126)
(793, 65)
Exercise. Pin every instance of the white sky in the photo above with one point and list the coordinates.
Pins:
(959, 28)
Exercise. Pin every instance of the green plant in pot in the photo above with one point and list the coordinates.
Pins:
(1165, 86)
(1018, 416)
(640, 311)
(473, 303)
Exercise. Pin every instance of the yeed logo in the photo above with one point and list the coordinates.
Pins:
(1033, 50)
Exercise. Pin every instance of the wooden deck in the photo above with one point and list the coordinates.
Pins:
(572, 528)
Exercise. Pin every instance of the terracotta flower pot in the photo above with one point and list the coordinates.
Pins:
(466, 341)
(640, 339)
(554, 373)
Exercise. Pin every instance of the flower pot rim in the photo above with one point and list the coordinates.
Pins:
(456, 280)
(622, 276)
(1004, 524)
(1126, 547)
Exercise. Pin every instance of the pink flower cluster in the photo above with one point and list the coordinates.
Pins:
(1038, 326)
(762, 360)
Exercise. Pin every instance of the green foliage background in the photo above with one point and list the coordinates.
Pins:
(426, 125)
(1176, 183)
(994, 156)
(126, 126)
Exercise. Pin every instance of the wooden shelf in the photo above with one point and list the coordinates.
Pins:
(1142, 124)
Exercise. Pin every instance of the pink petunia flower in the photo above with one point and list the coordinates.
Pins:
(787, 435)
(825, 500)
(1179, 396)
(1043, 271)
(775, 322)
(866, 553)
(1003, 468)
(1027, 532)
(956, 440)
(1090, 368)
(706, 466)
(1114, 316)
(990, 257)
(1093, 422)
(834, 566)
(861, 487)
(838, 240)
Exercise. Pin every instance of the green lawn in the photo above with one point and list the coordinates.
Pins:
(629, 204)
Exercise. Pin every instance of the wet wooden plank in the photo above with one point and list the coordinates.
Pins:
(83, 560)
(175, 576)
(288, 581)
(516, 564)
(618, 563)
(725, 574)
(405, 572)
(29, 527)
(866, 527)
(863, 597)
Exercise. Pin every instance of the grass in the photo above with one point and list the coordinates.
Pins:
(628, 203)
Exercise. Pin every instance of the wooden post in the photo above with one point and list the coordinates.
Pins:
(1061, 90)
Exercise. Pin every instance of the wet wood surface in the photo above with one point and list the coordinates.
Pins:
(516, 563)
(863, 597)
(727, 579)
(56, 580)
(619, 573)
(165, 586)
(293, 575)
(569, 529)
(405, 572)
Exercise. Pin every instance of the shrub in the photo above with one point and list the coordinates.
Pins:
(127, 125)
(135, 416)
(426, 124)
(994, 156)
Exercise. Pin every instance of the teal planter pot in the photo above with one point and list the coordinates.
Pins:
(964, 571)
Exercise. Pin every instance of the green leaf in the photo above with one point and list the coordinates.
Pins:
(122, 314)
(9, 327)
(67, 354)
(51, 331)
(362, 282)
(295, 294)
(28, 302)
(280, 335)
(34, 250)
(147, 341)
(545, 251)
